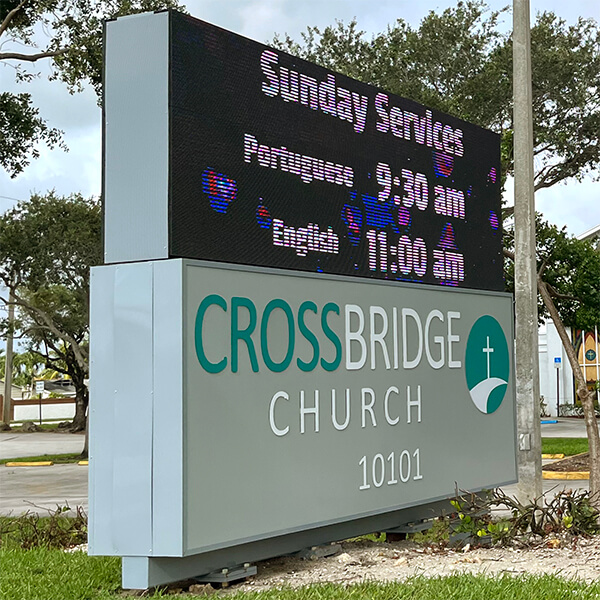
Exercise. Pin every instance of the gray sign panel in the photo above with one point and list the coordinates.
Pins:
(309, 402)
(265, 404)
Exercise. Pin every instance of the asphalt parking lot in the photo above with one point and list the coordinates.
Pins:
(38, 489)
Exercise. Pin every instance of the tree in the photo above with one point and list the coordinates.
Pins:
(49, 274)
(568, 280)
(73, 44)
(459, 63)
(27, 367)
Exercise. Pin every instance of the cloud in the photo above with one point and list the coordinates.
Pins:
(79, 170)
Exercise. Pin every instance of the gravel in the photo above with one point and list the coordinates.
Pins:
(364, 560)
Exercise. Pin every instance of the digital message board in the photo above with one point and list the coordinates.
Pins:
(264, 159)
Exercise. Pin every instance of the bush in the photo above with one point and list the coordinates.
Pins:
(57, 530)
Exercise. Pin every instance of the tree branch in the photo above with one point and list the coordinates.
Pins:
(31, 57)
(78, 351)
(542, 267)
(586, 397)
(11, 15)
(508, 254)
(554, 292)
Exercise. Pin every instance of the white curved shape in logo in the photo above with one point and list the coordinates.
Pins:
(481, 392)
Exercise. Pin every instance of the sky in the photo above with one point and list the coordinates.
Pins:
(576, 205)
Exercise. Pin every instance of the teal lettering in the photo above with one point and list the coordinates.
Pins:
(309, 335)
(243, 335)
(264, 343)
(208, 366)
(331, 335)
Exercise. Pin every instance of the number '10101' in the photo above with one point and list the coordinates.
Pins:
(396, 468)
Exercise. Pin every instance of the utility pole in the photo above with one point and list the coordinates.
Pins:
(9, 360)
(526, 325)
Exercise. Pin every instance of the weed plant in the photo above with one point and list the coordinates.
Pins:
(60, 529)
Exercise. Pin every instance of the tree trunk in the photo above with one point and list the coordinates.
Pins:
(86, 445)
(586, 397)
(81, 401)
(78, 423)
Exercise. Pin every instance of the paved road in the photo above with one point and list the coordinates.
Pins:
(564, 428)
(41, 488)
(14, 444)
(47, 487)
(37, 489)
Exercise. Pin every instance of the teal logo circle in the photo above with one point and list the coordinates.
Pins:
(590, 355)
(487, 364)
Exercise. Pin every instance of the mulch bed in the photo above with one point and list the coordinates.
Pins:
(579, 462)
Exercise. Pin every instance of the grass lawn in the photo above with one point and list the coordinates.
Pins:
(45, 571)
(566, 446)
(42, 574)
(46, 574)
(55, 458)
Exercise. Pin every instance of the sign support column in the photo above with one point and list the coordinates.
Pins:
(526, 325)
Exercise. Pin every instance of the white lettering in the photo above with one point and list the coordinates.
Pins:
(333, 412)
(438, 340)
(411, 364)
(355, 336)
(386, 405)
(274, 428)
(309, 411)
(367, 407)
(410, 404)
(452, 339)
(326, 95)
(378, 337)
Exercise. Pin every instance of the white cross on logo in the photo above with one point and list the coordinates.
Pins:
(488, 350)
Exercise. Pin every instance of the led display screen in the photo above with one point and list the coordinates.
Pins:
(277, 162)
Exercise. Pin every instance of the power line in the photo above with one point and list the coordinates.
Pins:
(15, 199)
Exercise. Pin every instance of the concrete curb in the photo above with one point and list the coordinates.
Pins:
(564, 475)
(46, 463)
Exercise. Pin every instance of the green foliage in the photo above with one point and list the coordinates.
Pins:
(566, 446)
(479, 524)
(568, 511)
(57, 459)
(27, 366)
(21, 128)
(51, 574)
(54, 531)
(43, 574)
(73, 44)
(460, 63)
(437, 535)
(453, 587)
(50, 276)
(437, 64)
(70, 243)
(571, 269)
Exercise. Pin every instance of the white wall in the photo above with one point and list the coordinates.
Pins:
(550, 347)
(62, 412)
